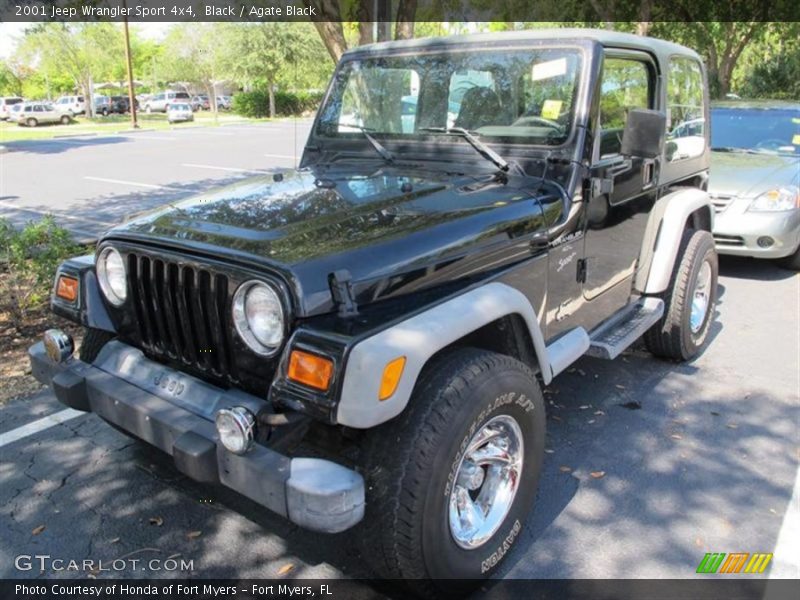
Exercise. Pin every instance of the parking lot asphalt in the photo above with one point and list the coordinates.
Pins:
(90, 183)
(650, 464)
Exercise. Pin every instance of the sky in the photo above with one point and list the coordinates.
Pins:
(10, 34)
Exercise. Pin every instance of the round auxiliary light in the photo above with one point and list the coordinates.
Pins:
(111, 276)
(58, 345)
(765, 241)
(236, 428)
(258, 317)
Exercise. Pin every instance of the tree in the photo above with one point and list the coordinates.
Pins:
(193, 53)
(85, 51)
(334, 12)
(271, 53)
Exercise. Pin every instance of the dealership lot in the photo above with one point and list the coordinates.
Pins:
(650, 464)
(91, 183)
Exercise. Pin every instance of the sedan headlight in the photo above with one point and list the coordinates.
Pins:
(783, 198)
(258, 317)
(111, 276)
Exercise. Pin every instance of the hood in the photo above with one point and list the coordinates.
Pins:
(393, 231)
(747, 175)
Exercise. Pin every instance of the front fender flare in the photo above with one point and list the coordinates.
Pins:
(423, 335)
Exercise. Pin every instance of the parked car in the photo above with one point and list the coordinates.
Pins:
(71, 105)
(224, 102)
(160, 102)
(365, 338)
(200, 103)
(180, 111)
(6, 102)
(102, 106)
(40, 113)
(755, 179)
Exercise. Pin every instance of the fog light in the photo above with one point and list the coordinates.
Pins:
(236, 428)
(765, 241)
(58, 345)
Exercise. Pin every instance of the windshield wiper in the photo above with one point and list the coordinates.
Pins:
(484, 150)
(379, 148)
(734, 149)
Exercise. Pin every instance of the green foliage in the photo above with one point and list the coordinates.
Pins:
(256, 104)
(29, 257)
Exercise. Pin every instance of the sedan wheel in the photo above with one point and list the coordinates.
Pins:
(32, 122)
(65, 120)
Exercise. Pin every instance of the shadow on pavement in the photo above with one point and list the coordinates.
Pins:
(743, 267)
(60, 145)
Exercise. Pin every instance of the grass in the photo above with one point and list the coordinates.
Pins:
(11, 132)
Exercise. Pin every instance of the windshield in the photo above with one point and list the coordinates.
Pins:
(775, 130)
(509, 96)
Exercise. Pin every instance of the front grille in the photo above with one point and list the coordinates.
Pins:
(729, 240)
(181, 313)
(721, 201)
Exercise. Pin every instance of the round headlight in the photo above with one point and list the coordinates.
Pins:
(111, 276)
(235, 427)
(258, 317)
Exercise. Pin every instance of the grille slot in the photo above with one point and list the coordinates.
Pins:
(181, 313)
(721, 202)
(729, 240)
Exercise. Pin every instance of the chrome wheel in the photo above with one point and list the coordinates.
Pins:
(486, 482)
(701, 297)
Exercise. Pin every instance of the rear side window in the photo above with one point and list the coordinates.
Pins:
(685, 114)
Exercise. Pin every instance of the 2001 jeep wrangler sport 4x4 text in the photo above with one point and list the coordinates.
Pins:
(471, 215)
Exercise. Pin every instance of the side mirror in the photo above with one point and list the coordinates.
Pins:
(644, 133)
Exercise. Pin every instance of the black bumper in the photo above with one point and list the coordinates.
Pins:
(313, 493)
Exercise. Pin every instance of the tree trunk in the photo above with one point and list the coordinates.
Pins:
(404, 27)
(365, 17)
(331, 30)
(271, 88)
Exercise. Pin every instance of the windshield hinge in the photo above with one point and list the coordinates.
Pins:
(341, 286)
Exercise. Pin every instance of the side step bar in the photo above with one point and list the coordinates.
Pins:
(611, 338)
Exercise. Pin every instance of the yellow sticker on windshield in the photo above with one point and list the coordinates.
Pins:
(796, 140)
(551, 109)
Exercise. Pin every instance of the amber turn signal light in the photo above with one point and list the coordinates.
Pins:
(391, 377)
(310, 369)
(67, 288)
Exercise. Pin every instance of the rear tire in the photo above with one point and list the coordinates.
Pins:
(93, 342)
(690, 300)
(414, 527)
(65, 120)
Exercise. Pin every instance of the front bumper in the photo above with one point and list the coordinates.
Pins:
(142, 397)
(737, 231)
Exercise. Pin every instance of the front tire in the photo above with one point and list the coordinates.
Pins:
(65, 120)
(690, 300)
(32, 122)
(474, 426)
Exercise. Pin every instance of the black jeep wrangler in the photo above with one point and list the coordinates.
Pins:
(363, 341)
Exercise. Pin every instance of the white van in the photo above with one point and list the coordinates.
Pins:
(6, 102)
(71, 105)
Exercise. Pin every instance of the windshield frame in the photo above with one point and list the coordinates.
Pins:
(416, 145)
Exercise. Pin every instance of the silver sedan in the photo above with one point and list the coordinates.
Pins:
(755, 180)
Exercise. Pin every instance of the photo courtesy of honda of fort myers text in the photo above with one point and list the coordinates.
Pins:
(360, 299)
